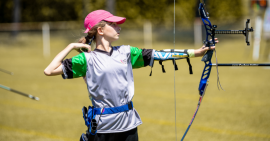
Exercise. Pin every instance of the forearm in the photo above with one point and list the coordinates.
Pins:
(54, 68)
(199, 52)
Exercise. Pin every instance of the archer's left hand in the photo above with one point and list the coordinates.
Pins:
(201, 51)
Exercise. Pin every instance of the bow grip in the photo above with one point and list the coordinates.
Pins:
(207, 56)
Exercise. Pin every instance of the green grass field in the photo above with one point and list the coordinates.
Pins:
(241, 112)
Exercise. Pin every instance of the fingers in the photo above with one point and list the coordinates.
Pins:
(216, 40)
(207, 48)
(212, 47)
(82, 47)
(87, 47)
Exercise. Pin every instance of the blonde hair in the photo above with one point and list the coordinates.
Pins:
(91, 33)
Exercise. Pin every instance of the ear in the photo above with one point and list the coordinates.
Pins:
(100, 31)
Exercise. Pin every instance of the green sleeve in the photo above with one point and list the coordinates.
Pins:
(136, 57)
(79, 65)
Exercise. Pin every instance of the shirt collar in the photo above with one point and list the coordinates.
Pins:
(104, 52)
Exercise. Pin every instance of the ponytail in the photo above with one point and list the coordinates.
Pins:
(91, 35)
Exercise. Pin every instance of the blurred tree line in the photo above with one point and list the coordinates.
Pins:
(136, 11)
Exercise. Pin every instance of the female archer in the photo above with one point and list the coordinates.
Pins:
(108, 74)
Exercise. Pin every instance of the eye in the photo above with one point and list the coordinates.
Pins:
(113, 24)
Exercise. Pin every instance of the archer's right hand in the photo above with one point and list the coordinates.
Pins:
(79, 46)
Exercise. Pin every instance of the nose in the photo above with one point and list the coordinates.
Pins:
(118, 27)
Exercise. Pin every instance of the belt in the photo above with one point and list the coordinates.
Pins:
(114, 110)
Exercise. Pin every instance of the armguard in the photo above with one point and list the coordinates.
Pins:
(171, 54)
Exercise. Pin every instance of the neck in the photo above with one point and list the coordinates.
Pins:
(103, 44)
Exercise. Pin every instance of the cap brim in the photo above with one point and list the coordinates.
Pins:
(116, 19)
(86, 31)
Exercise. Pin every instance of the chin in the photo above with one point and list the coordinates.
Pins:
(116, 38)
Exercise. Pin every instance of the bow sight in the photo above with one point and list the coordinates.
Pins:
(244, 32)
(212, 30)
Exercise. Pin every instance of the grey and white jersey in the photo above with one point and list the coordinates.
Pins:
(109, 79)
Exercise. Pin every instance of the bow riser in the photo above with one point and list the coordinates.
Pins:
(208, 55)
(205, 76)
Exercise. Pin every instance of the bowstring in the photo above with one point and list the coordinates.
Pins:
(174, 71)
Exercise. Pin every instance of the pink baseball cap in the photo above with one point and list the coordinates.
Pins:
(96, 16)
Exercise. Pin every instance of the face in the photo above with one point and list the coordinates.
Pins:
(111, 31)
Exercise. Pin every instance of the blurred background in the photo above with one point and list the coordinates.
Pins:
(32, 33)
